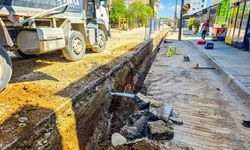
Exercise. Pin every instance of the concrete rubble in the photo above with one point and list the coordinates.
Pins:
(160, 131)
(145, 125)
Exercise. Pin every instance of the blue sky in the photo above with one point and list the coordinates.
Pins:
(167, 7)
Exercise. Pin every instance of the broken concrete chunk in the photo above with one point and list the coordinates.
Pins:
(138, 130)
(145, 144)
(154, 114)
(162, 113)
(130, 133)
(159, 131)
(117, 139)
(153, 103)
(135, 116)
(141, 104)
(246, 123)
(170, 124)
(167, 112)
(176, 120)
(141, 125)
(174, 114)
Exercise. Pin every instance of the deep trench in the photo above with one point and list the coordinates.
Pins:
(96, 112)
(121, 107)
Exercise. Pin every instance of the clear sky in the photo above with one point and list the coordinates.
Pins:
(167, 7)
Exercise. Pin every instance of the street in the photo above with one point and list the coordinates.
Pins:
(125, 75)
(49, 83)
(211, 111)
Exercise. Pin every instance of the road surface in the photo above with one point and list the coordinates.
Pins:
(211, 111)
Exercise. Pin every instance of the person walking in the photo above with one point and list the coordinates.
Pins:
(204, 29)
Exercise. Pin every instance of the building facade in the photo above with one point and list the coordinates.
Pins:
(196, 6)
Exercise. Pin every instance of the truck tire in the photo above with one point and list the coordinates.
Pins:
(23, 55)
(102, 42)
(5, 68)
(76, 47)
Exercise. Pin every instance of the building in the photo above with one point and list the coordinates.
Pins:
(196, 6)
(231, 1)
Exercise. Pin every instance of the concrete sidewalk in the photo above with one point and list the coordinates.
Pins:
(211, 111)
(233, 64)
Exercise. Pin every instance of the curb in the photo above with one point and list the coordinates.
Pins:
(228, 78)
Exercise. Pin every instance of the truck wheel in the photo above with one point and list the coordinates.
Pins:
(101, 42)
(5, 68)
(76, 46)
(23, 55)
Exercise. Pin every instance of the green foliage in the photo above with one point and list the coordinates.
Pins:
(196, 24)
(117, 11)
(165, 18)
(152, 4)
(139, 14)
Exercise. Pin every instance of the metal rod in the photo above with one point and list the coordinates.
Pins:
(123, 94)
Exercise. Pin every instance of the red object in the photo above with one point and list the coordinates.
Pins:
(201, 42)
(218, 31)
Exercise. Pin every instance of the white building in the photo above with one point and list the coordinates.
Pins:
(196, 5)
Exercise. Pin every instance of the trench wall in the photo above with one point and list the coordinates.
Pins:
(96, 113)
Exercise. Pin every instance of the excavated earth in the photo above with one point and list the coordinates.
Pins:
(53, 103)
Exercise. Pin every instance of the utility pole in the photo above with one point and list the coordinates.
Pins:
(180, 22)
(175, 14)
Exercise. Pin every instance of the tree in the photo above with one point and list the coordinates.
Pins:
(138, 13)
(117, 11)
(152, 5)
(165, 18)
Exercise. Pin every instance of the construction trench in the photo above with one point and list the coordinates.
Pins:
(93, 114)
